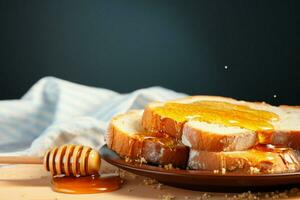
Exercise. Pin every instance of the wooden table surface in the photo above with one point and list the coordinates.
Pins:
(33, 182)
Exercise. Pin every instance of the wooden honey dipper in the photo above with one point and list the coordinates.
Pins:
(69, 160)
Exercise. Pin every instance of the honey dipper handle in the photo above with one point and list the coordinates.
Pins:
(20, 160)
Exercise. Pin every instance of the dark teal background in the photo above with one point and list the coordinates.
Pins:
(182, 45)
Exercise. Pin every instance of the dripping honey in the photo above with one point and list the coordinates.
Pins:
(159, 137)
(217, 112)
(86, 184)
(270, 148)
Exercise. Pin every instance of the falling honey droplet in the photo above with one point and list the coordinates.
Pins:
(86, 184)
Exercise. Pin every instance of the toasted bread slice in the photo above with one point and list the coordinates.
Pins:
(127, 137)
(215, 136)
(256, 160)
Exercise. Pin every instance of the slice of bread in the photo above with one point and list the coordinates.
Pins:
(127, 137)
(205, 135)
(251, 161)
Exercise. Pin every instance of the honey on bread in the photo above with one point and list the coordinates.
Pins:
(217, 112)
(223, 113)
(159, 137)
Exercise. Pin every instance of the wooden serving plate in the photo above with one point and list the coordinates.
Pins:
(205, 180)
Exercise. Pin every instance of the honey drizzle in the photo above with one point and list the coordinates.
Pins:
(217, 112)
(159, 137)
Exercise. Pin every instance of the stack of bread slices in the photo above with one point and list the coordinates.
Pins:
(212, 133)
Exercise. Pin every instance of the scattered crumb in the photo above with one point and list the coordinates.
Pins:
(223, 170)
(257, 196)
(140, 160)
(149, 181)
(168, 197)
(254, 170)
(126, 175)
(204, 196)
(283, 195)
(159, 186)
(216, 171)
(122, 173)
(294, 191)
(143, 160)
(186, 197)
(169, 166)
(129, 190)
(127, 159)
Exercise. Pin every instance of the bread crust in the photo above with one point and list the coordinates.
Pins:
(153, 151)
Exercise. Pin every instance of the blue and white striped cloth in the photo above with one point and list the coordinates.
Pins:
(54, 112)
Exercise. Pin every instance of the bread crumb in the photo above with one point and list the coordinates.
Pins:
(122, 173)
(216, 171)
(143, 160)
(129, 190)
(254, 170)
(223, 170)
(126, 175)
(204, 196)
(149, 181)
(294, 191)
(283, 195)
(159, 186)
(186, 197)
(257, 196)
(168, 197)
(140, 160)
(127, 159)
(169, 166)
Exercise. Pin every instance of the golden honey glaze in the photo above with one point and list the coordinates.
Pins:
(86, 184)
(219, 112)
(159, 137)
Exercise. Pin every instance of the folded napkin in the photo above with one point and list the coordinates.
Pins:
(54, 112)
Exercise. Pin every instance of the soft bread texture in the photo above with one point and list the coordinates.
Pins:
(250, 161)
(127, 137)
(214, 137)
